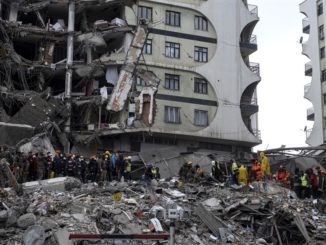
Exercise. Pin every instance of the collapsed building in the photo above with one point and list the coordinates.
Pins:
(88, 75)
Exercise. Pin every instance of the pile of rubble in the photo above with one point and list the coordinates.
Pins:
(205, 213)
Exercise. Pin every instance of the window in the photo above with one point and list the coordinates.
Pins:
(147, 49)
(323, 76)
(322, 52)
(201, 118)
(321, 32)
(200, 86)
(172, 114)
(320, 9)
(172, 18)
(172, 50)
(201, 54)
(145, 13)
(140, 82)
(201, 23)
(172, 82)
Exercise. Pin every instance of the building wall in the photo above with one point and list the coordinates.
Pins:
(227, 73)
(311, 48)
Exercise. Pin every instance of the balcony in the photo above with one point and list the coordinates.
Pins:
(305, 26)
(255, 68)
(257, 133)
(253, 9)
(306, 89)
(248, 46)
(310, 114)
(308, 69)
(308, 133)
(248, 106)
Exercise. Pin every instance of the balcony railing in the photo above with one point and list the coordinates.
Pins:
(255, 68)
(308, 132)
(308, 69)
(253, 9)
(257, 133)
(305, 26)
(250, 101)
(307, 87)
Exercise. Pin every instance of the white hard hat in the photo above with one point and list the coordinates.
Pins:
(213, 162)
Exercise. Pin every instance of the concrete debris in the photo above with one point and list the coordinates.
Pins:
(62, 64)
(205, 213)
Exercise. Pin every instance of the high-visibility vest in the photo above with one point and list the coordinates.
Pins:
(128, 167)
(304, 181)
(234, 167)
(154, 172)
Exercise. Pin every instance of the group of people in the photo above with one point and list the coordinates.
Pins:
(306, 184)
(38, 166)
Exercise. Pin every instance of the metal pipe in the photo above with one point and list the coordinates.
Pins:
(172, 233)
(69, 71)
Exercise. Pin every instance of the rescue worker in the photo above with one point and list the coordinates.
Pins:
(199, 173)
(265, 167)
(234, 171)
(113, 160)
(321, 183)
(33, 168)
(304, 185)
(155, 173)
(313, 180)
(49, 165)
(70, 166)
(295, 182)
(103, 177)
(217, 172)
(255, 171)
(127, 165)
(282, 176)
(243, 175)
(108, 167)
(93, 169)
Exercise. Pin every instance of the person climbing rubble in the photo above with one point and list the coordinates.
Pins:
(282, 176)
(199, 173)
(127, 167)
(234, 171)
(217, 172)
(243, 175)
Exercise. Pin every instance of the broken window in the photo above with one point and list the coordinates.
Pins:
(201, 118)
(148, 46)
(201, 23)
(145, 13)
(172, 114)
(200, 86)
(201, 54)
(172, 50)
(172, 82)
(140, 82)
(172, 18)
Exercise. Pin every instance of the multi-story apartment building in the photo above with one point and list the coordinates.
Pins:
(200, 50)
(314, 49)
(86, 72)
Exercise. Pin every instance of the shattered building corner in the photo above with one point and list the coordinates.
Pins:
(68, 72)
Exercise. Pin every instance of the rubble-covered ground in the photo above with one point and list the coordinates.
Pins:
(208, 213)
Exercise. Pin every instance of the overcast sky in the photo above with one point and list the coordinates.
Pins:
(282, 108)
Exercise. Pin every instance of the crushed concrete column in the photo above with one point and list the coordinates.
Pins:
(13, 12)
(69, 71)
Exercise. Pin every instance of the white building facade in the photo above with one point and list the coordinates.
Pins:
(207, 96)
(315, 69)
